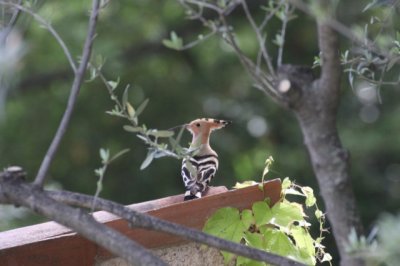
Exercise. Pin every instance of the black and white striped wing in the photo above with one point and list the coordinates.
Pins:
(197, 173)
(207, 166)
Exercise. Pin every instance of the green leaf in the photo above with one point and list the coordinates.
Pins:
(254, 240)
(99, 171)
(119, 154)
(104, 155)
(242, 261)
(262, 213)
(130, 110)
(247, 218)
(226, 223)
(318, 214)
(148, 160)
(161, 133)
(310, 198)
(285, 213)
(292, 191)
(125, 97)
(130, 128)
(305, 243)
(175, 42)
(278, 40)
(113, 84)
(278, 242)
(141, 107)
(286, 183)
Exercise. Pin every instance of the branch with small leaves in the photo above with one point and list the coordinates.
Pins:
(263, 226)
(100, 172)
(153, 138)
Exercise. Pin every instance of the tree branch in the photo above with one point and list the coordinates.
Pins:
(142, 220)
(330, 68)
(259, 37)
(18, 192)
(77, 83)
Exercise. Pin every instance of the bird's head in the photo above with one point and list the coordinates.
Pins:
(205, 125)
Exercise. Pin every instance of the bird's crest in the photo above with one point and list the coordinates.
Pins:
(203, 124)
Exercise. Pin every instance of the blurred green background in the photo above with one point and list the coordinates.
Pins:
(206, 81)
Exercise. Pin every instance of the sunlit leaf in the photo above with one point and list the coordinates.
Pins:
(310, 198)
(247, 218)
(244, 184)
(278, 242)
(130, 110)
(226, 223)
(286, 183)
(292, 191)
(262, 213)
(305, 244)
(326, 257)
(285, 213)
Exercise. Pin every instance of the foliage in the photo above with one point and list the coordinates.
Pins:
(283, 228)
(151, 137)
(100, 172)
(378, 47)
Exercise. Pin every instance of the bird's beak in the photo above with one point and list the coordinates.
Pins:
(179, 126)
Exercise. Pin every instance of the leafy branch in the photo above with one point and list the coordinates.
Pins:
(100, 172)
(281, 229)
(153, 138)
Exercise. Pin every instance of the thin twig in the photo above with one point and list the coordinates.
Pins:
(206, 5)
(50, 28)
(283, 33)
(143, 220)
(11, 24)
(264, 81)
(196, 42)
(341, 29)
(259, 37)
(87, 49)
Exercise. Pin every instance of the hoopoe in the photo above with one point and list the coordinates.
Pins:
(198, 170)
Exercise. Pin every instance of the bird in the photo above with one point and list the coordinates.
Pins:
(199, 169)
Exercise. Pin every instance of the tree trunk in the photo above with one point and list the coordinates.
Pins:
(315, 104)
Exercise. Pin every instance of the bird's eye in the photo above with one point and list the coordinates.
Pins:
(198, 125)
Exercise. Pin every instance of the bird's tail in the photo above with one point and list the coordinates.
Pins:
(194, 191)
